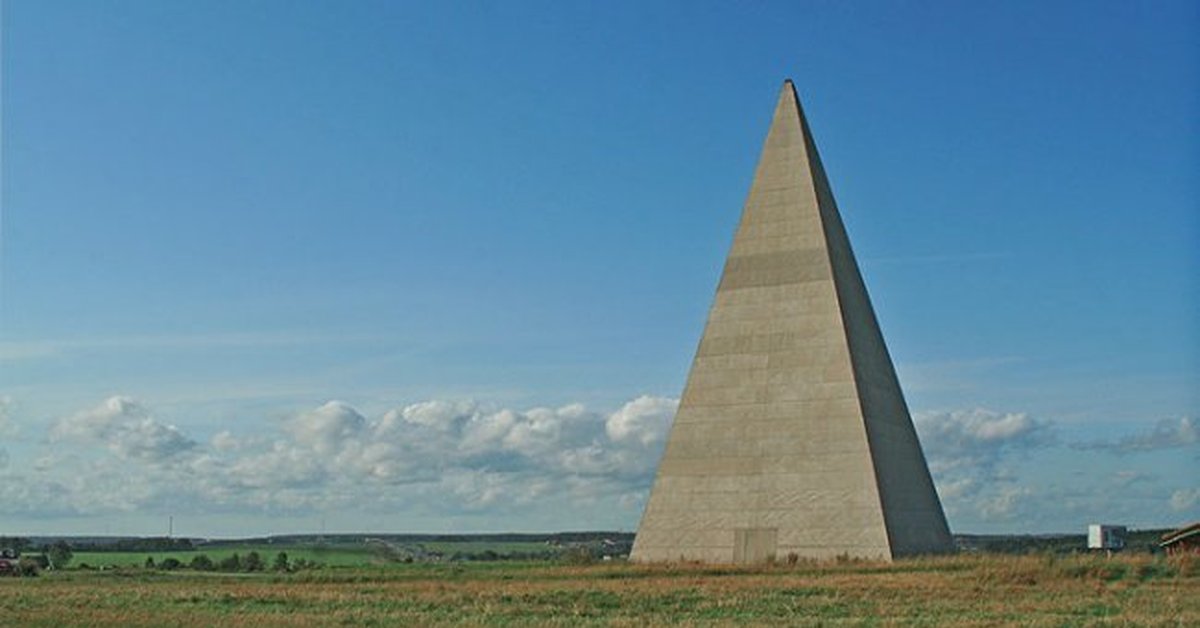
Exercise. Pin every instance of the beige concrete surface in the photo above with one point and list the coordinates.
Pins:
(792, 435)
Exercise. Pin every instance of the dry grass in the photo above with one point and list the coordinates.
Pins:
(961, 590)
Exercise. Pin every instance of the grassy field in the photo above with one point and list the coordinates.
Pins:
(962, 590)
(351, 555)
(333, 557)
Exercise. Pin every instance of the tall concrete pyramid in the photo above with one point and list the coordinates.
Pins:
(792, 436)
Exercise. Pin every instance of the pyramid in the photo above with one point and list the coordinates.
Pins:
(792, 437)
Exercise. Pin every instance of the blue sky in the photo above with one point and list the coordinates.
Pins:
(442, 266)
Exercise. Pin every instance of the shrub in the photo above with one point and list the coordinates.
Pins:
(202, 563)
(578, 556)
(1186, 565)
(233, 562)
(170, 564)
(28, 567)
(303, 564)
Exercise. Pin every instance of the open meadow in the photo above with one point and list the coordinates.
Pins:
(960, 590)
(334, 555)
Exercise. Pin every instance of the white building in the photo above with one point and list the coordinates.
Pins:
(1106, 537)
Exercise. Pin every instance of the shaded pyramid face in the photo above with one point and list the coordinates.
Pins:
(792, 436)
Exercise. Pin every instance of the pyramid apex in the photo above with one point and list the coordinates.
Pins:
(788, 96)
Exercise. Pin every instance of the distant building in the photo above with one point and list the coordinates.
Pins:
(1106, 537)
(1182, 541)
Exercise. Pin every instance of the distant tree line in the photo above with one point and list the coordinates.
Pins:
(488, 555)
(251, 562)
(1136, 541)
(148, 544)
(513, 537)
(18, 543)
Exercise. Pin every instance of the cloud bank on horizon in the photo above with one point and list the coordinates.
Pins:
(495, 468)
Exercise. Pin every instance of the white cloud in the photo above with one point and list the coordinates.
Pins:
(328, 427)
(968, 452)
(282, 466)
(1006, 504)
(225, 441)
(444, 459)
(977, 439)
(8, 427)
(990, 474)
(1184, 499)
(1166, 434)
(645, 419)
(440, 415)
(435, 456)
(125, 428)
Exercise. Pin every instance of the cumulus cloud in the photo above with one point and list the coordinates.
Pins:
(327, 428)
(983, 462)
(1166, 434)
(125, 428)
(1184, 499)
(967, 452)
(7, 427)
(439, 456)
(645, 420)
(1006, 504)
(977, 439)
(225, 441)
(441, 459)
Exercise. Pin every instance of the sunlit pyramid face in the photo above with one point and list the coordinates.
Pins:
(792, 438)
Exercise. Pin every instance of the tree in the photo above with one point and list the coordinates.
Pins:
(233, 562)
(281, 562)
(150, 562)
(201, 563)
(59, 554)
(253, 562)
(16, 543)
(28, 566)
